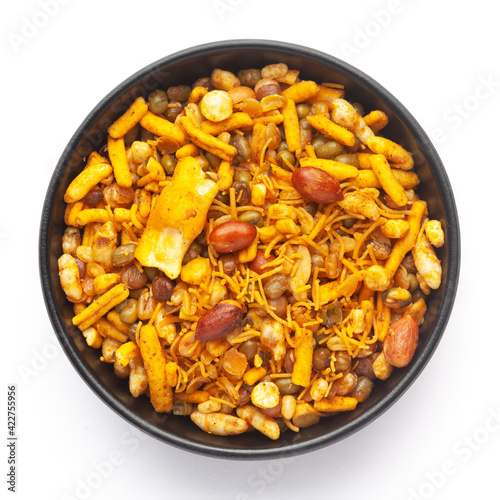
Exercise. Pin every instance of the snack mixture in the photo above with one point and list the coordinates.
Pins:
(250, 251)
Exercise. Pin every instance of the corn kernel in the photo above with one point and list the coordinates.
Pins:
(259, 194)
(248, 253)
(377, 278)
(267, 234)
(287, 226)
(92, 338)
(281, 211)
(92, 215)
(196, 271)
(126, 352)
(103, 282)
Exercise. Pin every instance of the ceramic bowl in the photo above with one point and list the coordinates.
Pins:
(184, 68)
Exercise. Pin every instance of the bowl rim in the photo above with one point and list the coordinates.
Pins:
(453, 237)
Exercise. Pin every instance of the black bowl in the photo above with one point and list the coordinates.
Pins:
(185, 67)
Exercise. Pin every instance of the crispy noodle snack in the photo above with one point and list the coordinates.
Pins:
(255, 255)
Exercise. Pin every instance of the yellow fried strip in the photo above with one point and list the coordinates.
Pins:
(187, 150)
(407, 242)
(341, 171)
(368, 179)
(156, 172)
(107, 329)
(101, 306)
(258, 141)
(206, 141)
(86, 180)
(126, 352)
(104, 282)
(114, 318)
(92, 215)
(273, 116)
(337, 403)
(332, 290)
(161, 127)
(327, 94)
(95, 157)
(301, 374)
(301, 91)
(376, 120)
(197, 94)
(389, 183)
(364, 160)
(118, 158)
(129, 119)
(155, 364)
(71, 213)
(309, 149)
(226, 174)
(236, 120)
(324, 125)
(291, 126)
(195, 397)
(392, 151)
(121, 215)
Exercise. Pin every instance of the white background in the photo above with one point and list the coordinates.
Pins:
(442, 439)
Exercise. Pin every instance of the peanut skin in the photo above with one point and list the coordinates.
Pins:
(219, 321)
(232, 236)
(316, 185)
(259, 261)
(401, 341)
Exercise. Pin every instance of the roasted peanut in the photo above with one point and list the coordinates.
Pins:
(260, 260)
(316, 185)
(219, 321)
(232, 236)
(265, 87)
(401, 341)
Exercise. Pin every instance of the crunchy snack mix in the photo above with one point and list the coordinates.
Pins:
(250, 251)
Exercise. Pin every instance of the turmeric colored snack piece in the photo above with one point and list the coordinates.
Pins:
(177, 219)
(250, 251)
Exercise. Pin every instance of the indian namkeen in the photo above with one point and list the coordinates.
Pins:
(250, 251)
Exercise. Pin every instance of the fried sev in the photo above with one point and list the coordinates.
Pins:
(309, 288)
